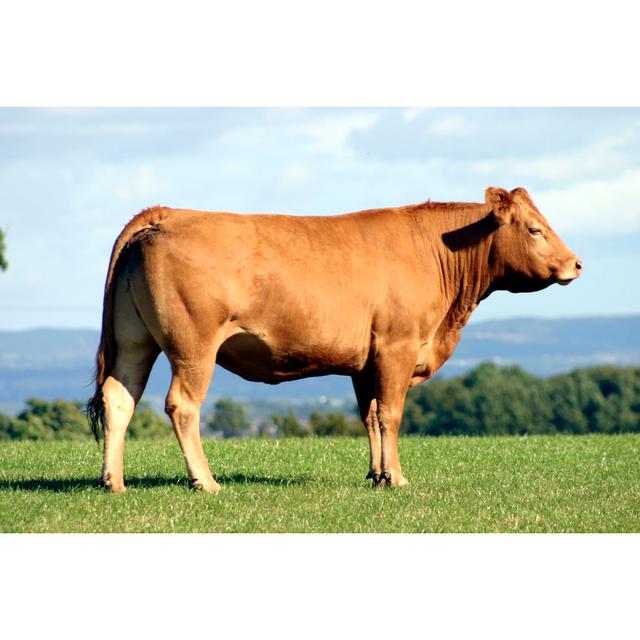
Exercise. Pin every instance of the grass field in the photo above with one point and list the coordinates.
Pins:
(506, 484)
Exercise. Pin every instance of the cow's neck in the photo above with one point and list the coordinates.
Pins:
(457, 242)
(459, 239)
(470, 278)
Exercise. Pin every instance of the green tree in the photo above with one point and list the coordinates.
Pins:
(63, 420)
(493, 400)
(289, 426)
(334, 424)
(440, 407)
(146, 423)
(230, 418)
(7, 427)
(51, 420)
(414, 420)
(4, 265)
(573, 400)
(265, 428)
(612, 406)
(508, 400)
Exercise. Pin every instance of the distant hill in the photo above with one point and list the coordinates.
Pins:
(58, 363)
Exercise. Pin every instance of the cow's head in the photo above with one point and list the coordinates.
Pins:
(526, 253)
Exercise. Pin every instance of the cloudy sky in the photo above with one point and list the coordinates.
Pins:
(71, 178)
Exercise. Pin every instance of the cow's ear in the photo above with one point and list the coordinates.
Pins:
(500, 202)
(520, 194)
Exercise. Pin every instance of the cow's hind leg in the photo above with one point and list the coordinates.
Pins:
(120, 394)
(363, 385)
(188, 390)
(135, 352)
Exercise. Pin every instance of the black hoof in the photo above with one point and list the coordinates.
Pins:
(385, 479)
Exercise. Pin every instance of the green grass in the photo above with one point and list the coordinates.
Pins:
(504, 484)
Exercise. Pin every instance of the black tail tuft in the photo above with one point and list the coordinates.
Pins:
(95, 414)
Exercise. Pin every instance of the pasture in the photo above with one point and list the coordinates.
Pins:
(493, 484)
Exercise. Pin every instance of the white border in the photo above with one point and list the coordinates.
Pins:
(348, 53)
(319, 586)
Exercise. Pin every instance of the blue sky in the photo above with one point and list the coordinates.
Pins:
(71, 178)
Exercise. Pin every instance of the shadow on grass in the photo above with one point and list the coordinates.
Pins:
(276, 481)
(69, 485)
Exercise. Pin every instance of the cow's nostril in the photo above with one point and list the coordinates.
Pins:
(578, 265)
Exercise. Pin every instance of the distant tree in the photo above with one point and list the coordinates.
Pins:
(51, 420)
(266, 428)
(486, 401)
(574, 400)
(230, 418)
(611, 402)
(146, 423)
(4, 265)
(508, 400)
(494, 400)
(438, 408)
(414, 421)
(289, 426)
(334, 424)
(63, 420)
(7, 427)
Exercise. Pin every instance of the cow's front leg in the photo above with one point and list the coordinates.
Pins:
(375, 445)
(389, 418)
(395, 367)
(363, 384)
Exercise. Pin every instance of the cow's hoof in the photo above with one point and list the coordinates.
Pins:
(374, 476)
(399, 481)
(391, 479)
(113, 487)
(204, 487)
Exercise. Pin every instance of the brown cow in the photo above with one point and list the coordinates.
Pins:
(379, 295)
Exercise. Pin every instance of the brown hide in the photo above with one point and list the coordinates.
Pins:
(379, 295)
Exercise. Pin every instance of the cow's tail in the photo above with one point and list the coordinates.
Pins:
(106, 355)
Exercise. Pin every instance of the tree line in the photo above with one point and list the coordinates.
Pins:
(65, 420)
(488, 400)
(491, 400)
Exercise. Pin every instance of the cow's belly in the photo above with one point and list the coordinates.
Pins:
(262, 359)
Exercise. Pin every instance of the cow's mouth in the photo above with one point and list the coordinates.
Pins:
(564, 281)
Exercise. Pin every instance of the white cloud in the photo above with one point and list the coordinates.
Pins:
(451, 126)
(294, 176)
(409, 115)
(317, 135)
(605, 156)
(141, 184)
(597, 207)
(329, 134)
(77, 128)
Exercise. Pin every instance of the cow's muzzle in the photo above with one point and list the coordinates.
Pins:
(570, 272)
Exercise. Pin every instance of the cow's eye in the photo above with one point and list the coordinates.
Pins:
(535, 231)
